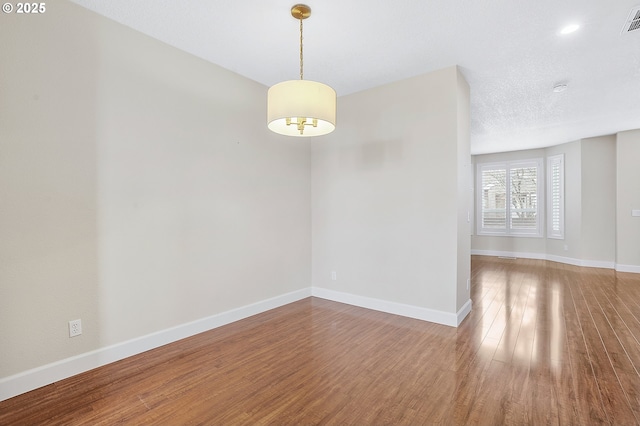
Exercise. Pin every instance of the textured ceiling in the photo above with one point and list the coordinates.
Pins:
(511, 53)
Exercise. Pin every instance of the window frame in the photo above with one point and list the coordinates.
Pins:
(538, 232)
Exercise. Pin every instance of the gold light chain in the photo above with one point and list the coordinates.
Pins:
(301, 48)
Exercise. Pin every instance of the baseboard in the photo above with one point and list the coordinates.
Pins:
(495, 253)
(563, 259)
(41, 376)
(628, 268)
(544, 256)
(411, 311)
(463, 312)
(605, 264)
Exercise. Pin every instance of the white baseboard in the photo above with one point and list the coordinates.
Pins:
(463, 312)
(41, 376)
(544, 256)
(411, 311)
(605, 264)
(628, 268)
(496, 253)
(563, 259)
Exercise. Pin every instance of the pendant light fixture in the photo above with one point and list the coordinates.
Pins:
(301, 107)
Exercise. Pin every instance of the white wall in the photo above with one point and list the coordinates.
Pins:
(464, 192)
(386, 189)
(599, 199)
(140, 189)
(48, 180)
(628, 198)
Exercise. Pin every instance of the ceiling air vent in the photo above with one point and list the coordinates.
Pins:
(633, 21)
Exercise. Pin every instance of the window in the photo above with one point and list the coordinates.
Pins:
(509, 201)
(555, 191)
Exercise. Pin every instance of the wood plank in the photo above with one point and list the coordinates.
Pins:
(614, 400)
(590, 406)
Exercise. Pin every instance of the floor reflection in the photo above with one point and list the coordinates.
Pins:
(522, 319)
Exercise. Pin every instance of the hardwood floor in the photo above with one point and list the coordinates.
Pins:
(545, 343)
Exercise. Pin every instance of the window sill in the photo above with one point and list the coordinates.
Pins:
(487, 234)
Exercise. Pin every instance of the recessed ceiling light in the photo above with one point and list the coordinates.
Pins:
(569, 29)
(559, 88)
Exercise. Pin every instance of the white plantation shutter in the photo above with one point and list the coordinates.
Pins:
(555, 215)
(524, 197)
(509, 197)
(494, 198)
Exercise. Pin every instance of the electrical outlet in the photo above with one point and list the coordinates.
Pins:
(334, 276)
(75, 328)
